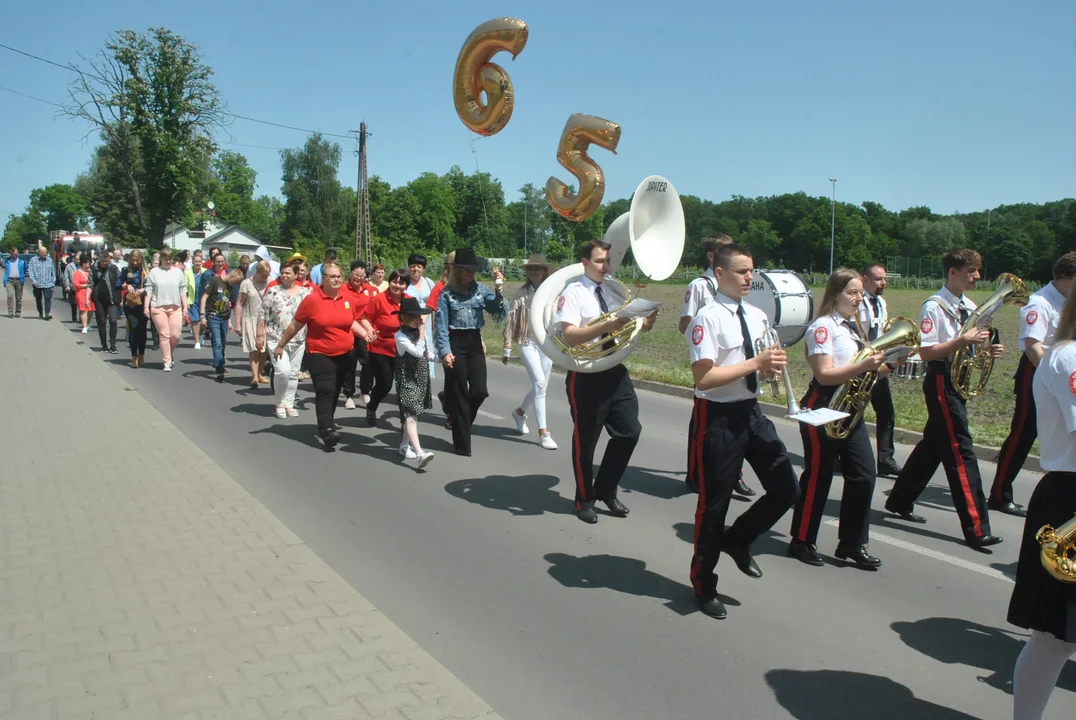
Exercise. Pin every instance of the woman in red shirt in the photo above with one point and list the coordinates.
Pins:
(380, 326)
(329, 318)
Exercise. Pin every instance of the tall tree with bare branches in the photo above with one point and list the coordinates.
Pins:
(153, 100)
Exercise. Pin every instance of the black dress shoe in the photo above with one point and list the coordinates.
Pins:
(329, 439)
(805, 553)
(587, 514)
(1009, 508)
(891, 471)
(713, 607)
(984, 541)
(744, 561)
(741, 488)
(859, 555)
(616, 507)
(906, 515)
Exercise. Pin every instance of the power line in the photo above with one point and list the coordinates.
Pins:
(73, 68)
(16, 92)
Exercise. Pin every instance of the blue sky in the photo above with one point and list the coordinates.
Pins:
(957, 105)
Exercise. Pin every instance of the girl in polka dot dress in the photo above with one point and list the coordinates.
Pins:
(412, 378)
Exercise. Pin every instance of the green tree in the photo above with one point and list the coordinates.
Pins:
(24, 231)
(109, 198)
(314, 214)
(153, 98)
(63, 207)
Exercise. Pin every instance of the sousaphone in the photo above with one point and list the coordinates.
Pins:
(653, 229)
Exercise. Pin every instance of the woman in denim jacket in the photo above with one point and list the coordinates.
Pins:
(460, 317)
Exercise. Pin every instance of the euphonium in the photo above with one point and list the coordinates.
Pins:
(853, 396)
(971, 358)
(1058, 553)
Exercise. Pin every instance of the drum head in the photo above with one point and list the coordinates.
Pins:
(787, 301)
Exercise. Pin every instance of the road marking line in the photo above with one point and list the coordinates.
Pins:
(490, 415)
(951, 559)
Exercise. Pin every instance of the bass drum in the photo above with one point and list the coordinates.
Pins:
(787, 301)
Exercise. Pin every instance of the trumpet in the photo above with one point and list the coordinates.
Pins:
(767, 341)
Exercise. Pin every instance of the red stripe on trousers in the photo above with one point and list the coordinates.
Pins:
(812, 479)
(961, 471)
(1021, 421)
(576, 446)
(700, 508)
(692, 439)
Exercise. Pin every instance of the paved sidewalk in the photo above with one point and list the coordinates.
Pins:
(148, 584)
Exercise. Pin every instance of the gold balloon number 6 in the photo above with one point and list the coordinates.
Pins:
(580, 132)
(475, 73)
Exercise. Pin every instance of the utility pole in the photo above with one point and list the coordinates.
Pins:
(832, 222)
(363, 248)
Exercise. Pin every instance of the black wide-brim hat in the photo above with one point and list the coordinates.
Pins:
(466, 259)
(410, 306)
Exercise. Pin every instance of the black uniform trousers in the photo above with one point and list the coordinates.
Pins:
(946, 441)
(382, 374)
(734, 432)
(857, 466)
(599, 400)
(360, 354)
(465, 385)
(886, 420)
(694, 448)
(327, 375)
(1022, 433)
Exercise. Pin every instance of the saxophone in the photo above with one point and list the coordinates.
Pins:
(1058, 553)
(853, 396)
(973, 364)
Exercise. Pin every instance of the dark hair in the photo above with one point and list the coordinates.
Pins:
(244, 257)
(329, 256)
(416, 259)
(1065, 267)
(724, 254)
(870, 266)
(198, 252)
(184, 255)
(84, 257)
(214, 251)
(960, 258)
(713, 241)
(400, 274)
(356, 264)
(588, 248)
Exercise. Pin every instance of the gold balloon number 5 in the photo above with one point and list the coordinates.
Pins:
(475, 73)
(580, 132)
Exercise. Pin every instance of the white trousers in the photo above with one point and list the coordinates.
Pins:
(1037, 669)
(286, 374)
(539, 368)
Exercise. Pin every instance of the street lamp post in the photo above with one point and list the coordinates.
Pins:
(832, 221)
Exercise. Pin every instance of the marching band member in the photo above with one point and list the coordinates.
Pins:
(701, 292)
(602, 399)
(732, 428)
(1038, 321)
(874, 314)
(832, 342)
(946, 437)
(1040, 602)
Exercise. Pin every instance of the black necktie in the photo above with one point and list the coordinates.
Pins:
(609, 345)
(873, 332)
(964, 315)
(748, 349)
(852, 326)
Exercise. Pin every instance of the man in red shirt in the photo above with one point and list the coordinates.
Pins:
(360, 292)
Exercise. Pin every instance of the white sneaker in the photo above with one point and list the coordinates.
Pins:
(407, 452)
(281, 413)
(168, 367)
(547, 442)
(365, 400)
(292, 412)
(85, 330)
(521, 422)
(349, 404)
(197, 346)
(420, 461)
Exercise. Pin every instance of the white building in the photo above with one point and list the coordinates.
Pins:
(225, 237)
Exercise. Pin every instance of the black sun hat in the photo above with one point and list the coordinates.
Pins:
(409, 305)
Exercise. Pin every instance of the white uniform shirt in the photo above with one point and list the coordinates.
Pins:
(578, 304)
(830, 335)
(700, 293)
(714, 334)
(1055, 403)
(1039, 318)
(939, 325)
(869, 319)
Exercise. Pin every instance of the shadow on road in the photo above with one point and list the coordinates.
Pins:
(518, 495)
(625, 575)
(954, 641)
(656, 483)
(842, 695)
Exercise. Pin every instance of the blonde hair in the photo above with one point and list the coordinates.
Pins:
(137, 255)
(836, 284)
(263, 267)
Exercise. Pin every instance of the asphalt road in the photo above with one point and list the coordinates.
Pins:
(482, 561)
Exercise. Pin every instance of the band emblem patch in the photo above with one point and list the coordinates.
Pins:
(697, 334)
(1032, 317)
(821, 335)
(927, 325)
(1072, 383)
(560, 303)
(687, 295)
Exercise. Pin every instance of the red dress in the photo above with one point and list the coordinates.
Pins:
(82, 278)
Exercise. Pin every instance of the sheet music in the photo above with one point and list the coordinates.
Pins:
(819, 416)
(639, 308)
(898, 354)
